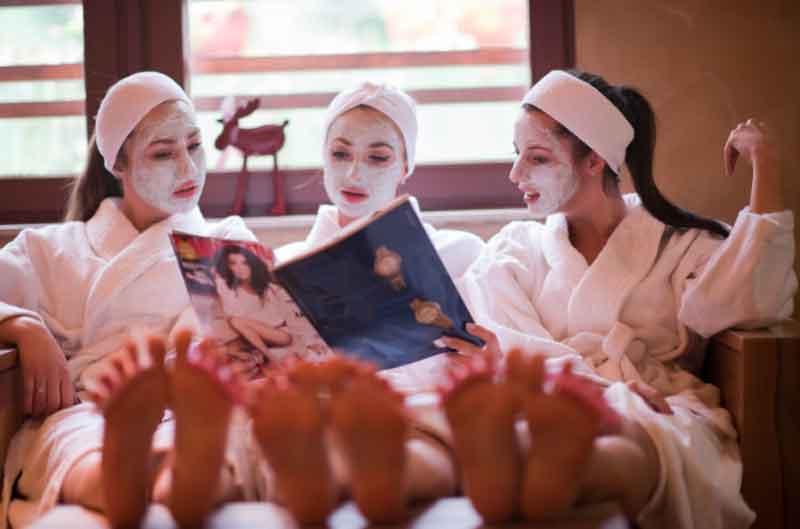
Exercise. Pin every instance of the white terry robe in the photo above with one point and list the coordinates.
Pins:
(642, 310)
(457, 249)
(91, 283)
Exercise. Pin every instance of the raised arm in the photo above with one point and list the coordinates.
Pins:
(753, 141)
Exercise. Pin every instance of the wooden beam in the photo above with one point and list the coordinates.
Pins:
(40, 109)
(552, 36)
(432, 96)
(355, 61)
(29, 3)
(41, 72)
(122, 37)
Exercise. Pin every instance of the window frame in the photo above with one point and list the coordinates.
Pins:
(125, 36)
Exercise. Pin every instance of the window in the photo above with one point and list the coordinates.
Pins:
(466, 62)
(41, 88)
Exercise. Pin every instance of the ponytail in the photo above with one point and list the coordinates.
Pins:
(639, 157)
(91, 187)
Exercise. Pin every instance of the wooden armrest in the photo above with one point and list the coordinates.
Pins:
(8, 358)
(10, 398)
(758, 374)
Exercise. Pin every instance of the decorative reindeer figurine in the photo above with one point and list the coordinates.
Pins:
(264, 140)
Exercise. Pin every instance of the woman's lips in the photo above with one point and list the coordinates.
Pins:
(354, 195)
(185, 191)
(530, 197)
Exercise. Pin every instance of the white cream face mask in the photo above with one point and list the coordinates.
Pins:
(364, 162)
(167, 163)
(543, 170)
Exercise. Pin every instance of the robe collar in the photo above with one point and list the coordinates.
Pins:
(326, 223)
(600, 290)
(110, 231)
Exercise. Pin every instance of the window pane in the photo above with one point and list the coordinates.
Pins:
(450, 131)
(43, 146)
(299, 27)
(41, 35)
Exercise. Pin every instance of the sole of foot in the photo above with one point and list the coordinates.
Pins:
(132, 396)
(481, 414)
(203, 392)
(371, 427)
(288, 423)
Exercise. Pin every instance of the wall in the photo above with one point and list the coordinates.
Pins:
(705, 66)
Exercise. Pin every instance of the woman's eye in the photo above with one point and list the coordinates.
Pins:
(162, 155)
(339, 155)
(195, 146)
(538, 159)
(378, 158)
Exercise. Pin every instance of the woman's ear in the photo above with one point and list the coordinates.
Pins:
(595, 164)
(120, 167)
(405, 176)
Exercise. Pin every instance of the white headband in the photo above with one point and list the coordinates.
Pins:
(585, 112)
(125, 104)
(393, 102)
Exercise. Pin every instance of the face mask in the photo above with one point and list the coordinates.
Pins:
(167, 165)
(363, 162)
(543, 169)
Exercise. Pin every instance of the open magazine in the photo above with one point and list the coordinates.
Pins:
(378, 291)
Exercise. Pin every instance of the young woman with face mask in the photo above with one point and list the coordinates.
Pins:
(627, 288)
(72, 292)
(369, 151)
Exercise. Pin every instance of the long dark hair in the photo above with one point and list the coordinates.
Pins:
(639, 156)
(92, 186)
(260, 276)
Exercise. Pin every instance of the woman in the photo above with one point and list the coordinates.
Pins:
(369, 151)
(73, 292)
(628, 288)
(248, 299)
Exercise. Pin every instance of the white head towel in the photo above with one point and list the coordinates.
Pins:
(585, 112)
(125, 104)
(393, 102)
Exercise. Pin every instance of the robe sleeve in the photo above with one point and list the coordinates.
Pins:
(19, 281)
(457, 249)
(233, 228)
(497, 289)
(746, 280)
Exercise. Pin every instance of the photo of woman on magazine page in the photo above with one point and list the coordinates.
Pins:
(238, 302)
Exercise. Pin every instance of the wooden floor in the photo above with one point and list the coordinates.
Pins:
(450, 513)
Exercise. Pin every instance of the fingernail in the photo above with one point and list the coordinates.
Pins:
(439, 343)
(471, 326)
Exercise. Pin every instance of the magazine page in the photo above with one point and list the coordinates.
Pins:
(380, 292)
(237, 301)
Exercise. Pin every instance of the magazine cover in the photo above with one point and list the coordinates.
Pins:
(237, 300)
(380, 291)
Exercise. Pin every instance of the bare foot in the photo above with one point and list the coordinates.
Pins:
(564, 422)
(288, 423)
(370, 423)
(132, 397)
(481, 414)
(202, 393)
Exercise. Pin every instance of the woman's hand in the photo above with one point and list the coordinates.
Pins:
(651, 396)
(45, 380)
(491, 349)
(753, 141)
(750, 139)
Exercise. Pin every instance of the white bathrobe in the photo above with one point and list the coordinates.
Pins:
(642, 310)
(91, 283)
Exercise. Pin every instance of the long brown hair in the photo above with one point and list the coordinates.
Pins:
(92, 186)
